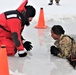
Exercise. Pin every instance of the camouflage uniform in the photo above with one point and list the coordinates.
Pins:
(65, 45)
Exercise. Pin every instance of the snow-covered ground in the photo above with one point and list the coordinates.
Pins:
(39, 61)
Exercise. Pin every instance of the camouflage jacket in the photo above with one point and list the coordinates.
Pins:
(67, 46)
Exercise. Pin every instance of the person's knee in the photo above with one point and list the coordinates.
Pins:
(10, 51)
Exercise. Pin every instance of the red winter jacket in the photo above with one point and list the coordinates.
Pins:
(11, 23)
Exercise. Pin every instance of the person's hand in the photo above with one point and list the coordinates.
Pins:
(22, 53)
(54, 50)
(27, 45)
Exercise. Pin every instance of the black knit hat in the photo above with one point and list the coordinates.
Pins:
(30, 12)
(57, 29)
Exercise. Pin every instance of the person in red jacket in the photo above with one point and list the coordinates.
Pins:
(11, 26)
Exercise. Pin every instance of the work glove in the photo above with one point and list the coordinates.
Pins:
(54, 50)
(22, 53)
(27, 45)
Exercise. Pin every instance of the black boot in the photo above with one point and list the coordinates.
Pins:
(50, 3)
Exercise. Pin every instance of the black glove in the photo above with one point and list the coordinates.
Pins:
(28, 45)
(54, 50)
(22, 54)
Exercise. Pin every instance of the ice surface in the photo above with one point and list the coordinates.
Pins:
(39, 61)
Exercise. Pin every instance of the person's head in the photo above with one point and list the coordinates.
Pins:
(57, 31)
(29, 14)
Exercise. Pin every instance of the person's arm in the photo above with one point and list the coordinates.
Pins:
(15, 27)
(27, 44)
(64, 46)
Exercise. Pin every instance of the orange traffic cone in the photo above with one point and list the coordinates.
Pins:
(41, 22)
(3, 61)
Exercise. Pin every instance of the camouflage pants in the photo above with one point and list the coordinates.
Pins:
(57, 1)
